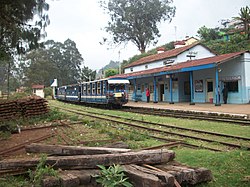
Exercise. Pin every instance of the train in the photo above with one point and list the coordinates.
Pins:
(110, 92)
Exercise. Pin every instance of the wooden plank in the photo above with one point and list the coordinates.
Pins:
(141, 179)
(91, 161)
(50, 181)
(71, 150)
(165, 178)
(69, 180)
(186, 174)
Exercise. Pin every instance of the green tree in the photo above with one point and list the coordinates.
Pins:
(38, 68)
(56, 60)
(111, 72)
(87, 74)
(22, 24)
(17, 32)
(67, 59)
(244, 20)
(208, 33)
(136, 21)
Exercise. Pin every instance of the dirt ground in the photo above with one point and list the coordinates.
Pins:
(66, 133)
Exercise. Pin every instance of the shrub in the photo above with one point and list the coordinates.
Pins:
(113, 176)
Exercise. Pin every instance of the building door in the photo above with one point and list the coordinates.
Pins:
(161, 92)
(210, 91)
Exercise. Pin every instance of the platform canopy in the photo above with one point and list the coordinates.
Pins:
(118, 81)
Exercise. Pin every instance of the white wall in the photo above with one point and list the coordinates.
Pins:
(201, 52)
(39, 92)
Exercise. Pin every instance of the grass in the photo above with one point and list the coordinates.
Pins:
(226, 128)
(11, 181)
(229, 168)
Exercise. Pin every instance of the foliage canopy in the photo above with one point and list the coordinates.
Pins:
(136, 20)
(244, 19)
(17, 32)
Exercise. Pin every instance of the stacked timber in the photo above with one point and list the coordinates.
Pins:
(27, 107)
(77, 166)
(33, 106)
(9, 110)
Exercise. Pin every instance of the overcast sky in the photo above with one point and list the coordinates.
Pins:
(82, 21)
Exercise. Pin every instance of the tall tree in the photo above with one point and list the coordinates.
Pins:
(87, 74)
(244, 20)
(111, 72)
(38, 69)
(17, 32)
(22, 24)
(67, 60)
(208, 33)
(136, 20)
(56, 60)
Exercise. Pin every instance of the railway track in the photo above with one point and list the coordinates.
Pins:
(22, 145)
(55, 132)
(189, 115)
(157, 128)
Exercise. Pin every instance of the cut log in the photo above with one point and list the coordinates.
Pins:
(141, 179)
(91, 161)
(72, 178)
(185, 174)
(50, 181)
(71, 150)
(69, 180)
(164, 179)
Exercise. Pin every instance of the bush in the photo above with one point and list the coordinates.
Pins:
(113, 176)
(41, 171)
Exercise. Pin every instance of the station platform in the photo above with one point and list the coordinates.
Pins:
(239, 110)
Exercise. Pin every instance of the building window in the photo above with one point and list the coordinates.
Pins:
(146, 66)
(131, 69)
(232, 86)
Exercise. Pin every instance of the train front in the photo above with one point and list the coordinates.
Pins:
(116, 92)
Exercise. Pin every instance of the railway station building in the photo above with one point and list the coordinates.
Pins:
(192, 73)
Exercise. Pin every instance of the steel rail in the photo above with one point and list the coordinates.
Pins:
(243, 122)
(175, 127)
(156, 130)
(22, 145)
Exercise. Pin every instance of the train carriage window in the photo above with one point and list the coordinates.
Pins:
(98, 88)
(122, 87)
(88, 89)
(104, 87)
(111, 87)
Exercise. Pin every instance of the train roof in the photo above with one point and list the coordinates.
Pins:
(112, 80)
(115, 80)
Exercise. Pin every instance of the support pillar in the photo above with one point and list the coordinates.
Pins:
(191, 88)
(217, 86)
(155, 99)
(171, 90)
(135, 90)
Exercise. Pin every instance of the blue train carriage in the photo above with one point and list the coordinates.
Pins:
(116, 92)
(61, 93)
(69, 93)
(110, 91)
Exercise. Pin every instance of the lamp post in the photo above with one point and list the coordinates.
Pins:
(119, 53)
